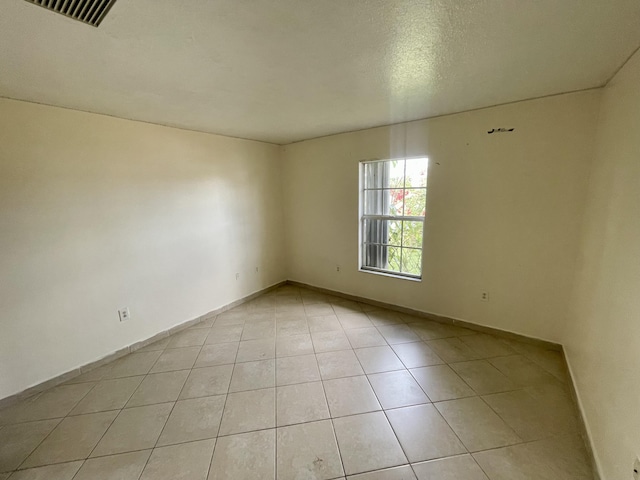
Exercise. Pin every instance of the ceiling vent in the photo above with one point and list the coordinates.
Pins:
(91, 12)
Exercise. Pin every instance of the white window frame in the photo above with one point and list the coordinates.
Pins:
(361, 225)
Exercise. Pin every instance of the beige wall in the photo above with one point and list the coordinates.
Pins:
(97, 213)
(504, 211)
(603, 338)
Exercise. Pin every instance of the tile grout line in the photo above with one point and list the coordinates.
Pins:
(410, 373)
(224, 405)
(172, 407)
(119, 413)
(385, 414)
(275, 400)
(381, 408)
(57, 425)
(326, 400)
(218, 436)
(507, 423)
(477, 395)
(480, 466)
(37, 446)
(78, 415)
(438, 412)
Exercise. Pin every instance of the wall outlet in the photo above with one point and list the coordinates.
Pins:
(237, 276)
(257, 269)
(636, 469)
(338, 268)
(124, 314)
(484, 296)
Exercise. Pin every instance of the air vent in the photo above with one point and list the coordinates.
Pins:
(91, 12)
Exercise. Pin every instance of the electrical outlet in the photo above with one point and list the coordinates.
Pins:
(636, 469)
(237, 276)
(484, 296)
(338, 268)
(124, 315)
(257, 269)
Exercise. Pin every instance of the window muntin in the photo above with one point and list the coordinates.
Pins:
(393, 204)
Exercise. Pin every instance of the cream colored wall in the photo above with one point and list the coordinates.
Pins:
(603, 338)
(98, 213)
(504, 211)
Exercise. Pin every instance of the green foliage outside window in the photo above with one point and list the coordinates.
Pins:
(408, 198)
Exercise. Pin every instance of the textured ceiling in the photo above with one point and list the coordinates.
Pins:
(286, 70)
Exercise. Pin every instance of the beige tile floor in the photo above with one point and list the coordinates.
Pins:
(299, 385)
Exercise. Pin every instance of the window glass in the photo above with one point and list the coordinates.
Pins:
(393, 199)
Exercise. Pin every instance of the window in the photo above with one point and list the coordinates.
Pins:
(393, 197)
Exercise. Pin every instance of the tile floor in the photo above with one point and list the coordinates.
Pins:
(300, 385)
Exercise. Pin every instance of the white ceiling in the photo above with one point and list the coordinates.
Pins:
(287, 70)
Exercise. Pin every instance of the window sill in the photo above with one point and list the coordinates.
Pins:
(390, 274)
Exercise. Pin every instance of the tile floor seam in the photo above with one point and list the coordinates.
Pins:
(481, 450)
(500, 416)
(480, 466)
(333, 428)
(425, 392)
(380, 469)
(48, 465)
(443, 418)
(386, 417)
(83, 462)
(129, 407)
(421, 387)
(523, 442)
(540, 365)
(275, 416)
(215, 445)
(224, 406)
(61, 420)
(170, 444)
(106, 455)
(153, 449)
(167, 419)
(537, 439)
(103, 379)
(413, 470)
(447, 423)
(402, 361)
(174, 403)
(57, 425)
(82, 459)
(253, 430)
(104, 433)
(34, 449)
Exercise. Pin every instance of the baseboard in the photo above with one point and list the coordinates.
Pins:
(585, 431)
(66, 376)
(434, 317)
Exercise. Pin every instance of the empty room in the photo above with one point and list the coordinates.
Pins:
(319, 240)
